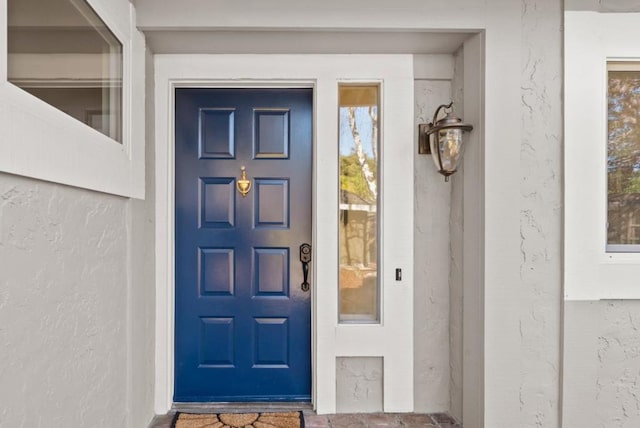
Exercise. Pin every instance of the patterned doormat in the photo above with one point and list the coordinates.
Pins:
(239, 420)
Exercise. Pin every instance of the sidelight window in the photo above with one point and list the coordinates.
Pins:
(359, 111)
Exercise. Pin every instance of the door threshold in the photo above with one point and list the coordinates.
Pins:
(242, 407)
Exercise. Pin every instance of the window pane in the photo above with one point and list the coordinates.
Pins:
(623, 219)
(359, 148)
(61, 52)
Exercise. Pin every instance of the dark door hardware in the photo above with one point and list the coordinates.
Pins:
(305, 259)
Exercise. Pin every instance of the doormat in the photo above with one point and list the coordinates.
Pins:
(239, 420)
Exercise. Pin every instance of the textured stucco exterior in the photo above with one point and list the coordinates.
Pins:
(431, 264)
(602, 364)
(616, 6)
(359, 384)
(63, 317)
(141, 234)
(75, 310)
(539, 290)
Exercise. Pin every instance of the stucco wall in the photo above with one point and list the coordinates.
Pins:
(431, 264)
(63, 305)
(539, 289)
(359, 384)
(141, 227)
(76, 307)
(603, 5)
(602, 364)
(456, 242)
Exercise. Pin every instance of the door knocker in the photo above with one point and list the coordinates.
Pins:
(243, 184)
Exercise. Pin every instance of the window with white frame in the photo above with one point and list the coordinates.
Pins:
(72, 91)
(601, 156)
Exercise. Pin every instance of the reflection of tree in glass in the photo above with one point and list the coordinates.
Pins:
(358, 203)
(624, 132)
(359, 167)
(623, 158)
(352, 178)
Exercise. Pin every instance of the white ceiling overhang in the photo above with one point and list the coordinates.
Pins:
(304, 42)
(300, 26)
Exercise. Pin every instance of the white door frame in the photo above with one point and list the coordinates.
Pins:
(392, 339)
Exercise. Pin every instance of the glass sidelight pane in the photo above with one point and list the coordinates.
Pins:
(63, 53)
(359, 232)
(623, 157)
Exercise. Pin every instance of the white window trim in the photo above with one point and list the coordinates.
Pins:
(592, 39)
(42, 142)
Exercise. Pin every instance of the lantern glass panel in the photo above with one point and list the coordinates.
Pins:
(450, 146)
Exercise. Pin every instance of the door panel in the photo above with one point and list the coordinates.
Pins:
(243, 324)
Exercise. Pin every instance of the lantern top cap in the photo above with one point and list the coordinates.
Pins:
(447, 122)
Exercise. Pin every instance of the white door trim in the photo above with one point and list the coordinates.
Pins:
(329, 339)
(165, 223)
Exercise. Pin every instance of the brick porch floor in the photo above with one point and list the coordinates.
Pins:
(311, 420)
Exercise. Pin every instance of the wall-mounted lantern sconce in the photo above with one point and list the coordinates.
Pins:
(446, 145)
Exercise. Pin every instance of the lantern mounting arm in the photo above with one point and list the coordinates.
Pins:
(426, 129)
(432, 129)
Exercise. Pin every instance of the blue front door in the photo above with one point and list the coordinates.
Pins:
(243, 321)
